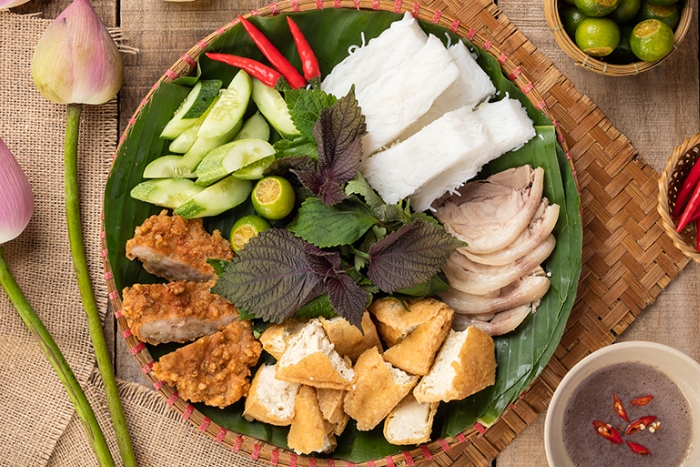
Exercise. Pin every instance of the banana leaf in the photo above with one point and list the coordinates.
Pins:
(521, 355)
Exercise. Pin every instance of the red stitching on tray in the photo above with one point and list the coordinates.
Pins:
(295, 6)
(121, 140)
(541, 105)
(274, 457)
(108, 275)
(292, 460)
(480, 428)
(416, 9)
(397, 6)
(375, 4)
(188, 411)
(436, 16)
(144, 101)
(426, 452)
(444, 445)
(568, 155)
(220, 31)
(117, 314)
(132, 120)
(409, 459)
(515, 73)
(234, 21)
(187, 59)
(389, 461)
(511, 406)
(172, 399)
(170, 74)
(147, 367)
(502, 59)
(126, 333)
(255, 13)
(202, 45)
(561, 138)
(336, 4)
(330, 463)
(138, 348)
(205, 424)
(103, 234)
(319, 4)
(461, 437)
(256, 452)
(312, 462)
(113, 295)
(103, 253)
(220, 435)
(527, 88)
(370, 463)
(471, 34)
(158, 384)
(487, 45)
(274, 9)
(351, 464)
(237, 444)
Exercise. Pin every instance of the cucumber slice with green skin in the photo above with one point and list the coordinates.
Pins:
(255, 170)
(229, 110)
(217, 198)
(272, 105)
(195, 104)
(202, 146)
(256, 127)
(167, 167)
(231, 157)
(184, 142)
(167, 192)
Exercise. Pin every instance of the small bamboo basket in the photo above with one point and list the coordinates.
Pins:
(587, 62)
(670, 183)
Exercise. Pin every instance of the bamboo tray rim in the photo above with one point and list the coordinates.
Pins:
(258, 449)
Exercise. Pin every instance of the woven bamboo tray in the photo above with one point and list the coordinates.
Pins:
(627, 259)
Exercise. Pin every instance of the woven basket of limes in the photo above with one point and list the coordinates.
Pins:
(618, 37)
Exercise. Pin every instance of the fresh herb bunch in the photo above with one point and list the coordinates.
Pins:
(345, 244)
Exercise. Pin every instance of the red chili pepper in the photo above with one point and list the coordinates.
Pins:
(690, 210)
(607, 431)
(640, 401)
(620, 409)
(309, 63)
(688, 185)
(639, 425)
(295, 80)
(638, 448)
(264, 73)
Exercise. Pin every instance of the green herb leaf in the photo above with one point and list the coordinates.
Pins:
(305, 108)
(360, 186)
(271, 277)
(319, 306)
(299, 146)
(219, 265)
(409, 256)
(432, 287)
(328, 226)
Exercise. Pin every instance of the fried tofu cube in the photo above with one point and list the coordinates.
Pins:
(276, 337)
(177, 249)
(347, 339)
(179, 311)
(270, 400)
(411, 422)
(310, 432)
(377, 388)
(414, 335)
(213, 369)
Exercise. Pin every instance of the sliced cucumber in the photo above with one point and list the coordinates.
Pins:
(195, 104)
(202, 146)
(167, 167)
(229, 110)
(256, 127)
(255, 170)
(166, 192)
(217, 198)
(231, 157)
(272, 105)
(184, 142)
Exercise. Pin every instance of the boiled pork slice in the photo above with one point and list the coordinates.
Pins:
(503, 323)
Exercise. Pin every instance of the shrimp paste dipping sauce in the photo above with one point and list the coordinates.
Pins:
(593, 400)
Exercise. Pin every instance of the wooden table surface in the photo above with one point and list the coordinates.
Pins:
(656, 111)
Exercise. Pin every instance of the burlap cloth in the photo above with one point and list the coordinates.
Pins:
(38, 426)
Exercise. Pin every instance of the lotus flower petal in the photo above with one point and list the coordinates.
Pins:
(16, 197)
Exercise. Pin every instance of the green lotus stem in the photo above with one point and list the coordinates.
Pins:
(58, 361)
(75, 236)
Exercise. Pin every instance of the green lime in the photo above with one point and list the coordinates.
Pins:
(625, 11)
(596, 8)
(246, 228)
(662, 2)
(622, 55)
(273, 198)
(571, 17)
(597, 37)
(651, 40)
(671, 14)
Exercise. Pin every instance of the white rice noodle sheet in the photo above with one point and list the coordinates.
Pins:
(367, 64)
(471, 89)
(399, 98)
(508, 123)
(399, 171)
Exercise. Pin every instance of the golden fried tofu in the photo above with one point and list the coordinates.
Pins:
(331, 402)
(310, 359)
(214, 369)
(270, 400)
(348, 339)
(309, 431)
(179, 311)
(411, 422)
(377, 388)
(465, 365)
(416, 334)
(275, 338)
(177, 248)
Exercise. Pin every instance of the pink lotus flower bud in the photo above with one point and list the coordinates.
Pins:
(11, 3)
(76, 61)
(16, 197)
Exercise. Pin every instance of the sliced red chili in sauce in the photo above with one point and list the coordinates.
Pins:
(607, 431)
(639, 424)
(620, 409)
(640, 401)
(638, 448)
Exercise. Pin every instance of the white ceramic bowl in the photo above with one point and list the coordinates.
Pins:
(683, 370)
